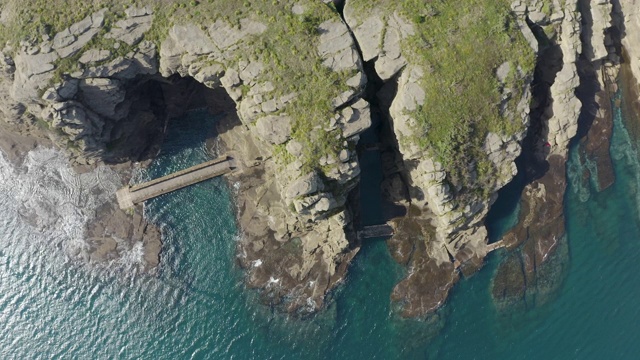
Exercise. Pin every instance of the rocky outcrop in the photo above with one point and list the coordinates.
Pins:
(579, 96)
(563, 124)
(380, 37)
(99, 105)
(630, 11)
(95, 84)
(457, 234)
(554, 30)
(600, 43)
(86, 104)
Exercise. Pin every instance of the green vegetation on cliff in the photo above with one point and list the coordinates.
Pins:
(460, 45)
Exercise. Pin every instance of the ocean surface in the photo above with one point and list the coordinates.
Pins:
(54, 305)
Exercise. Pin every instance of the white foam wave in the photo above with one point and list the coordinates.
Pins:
(133, 257)
(53, 198)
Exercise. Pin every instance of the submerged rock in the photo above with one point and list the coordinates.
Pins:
(104, 87)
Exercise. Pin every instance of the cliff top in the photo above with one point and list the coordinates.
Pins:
(472, 63)
(282, 36)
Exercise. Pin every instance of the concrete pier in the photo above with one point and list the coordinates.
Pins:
(132, 195)
(375, 231)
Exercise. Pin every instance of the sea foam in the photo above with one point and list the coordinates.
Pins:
(54, 199)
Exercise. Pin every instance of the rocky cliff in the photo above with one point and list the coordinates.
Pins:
(91, 85)
(629, 12)
(450, 197)
(580, 45)
(101, 82)
(576, 57)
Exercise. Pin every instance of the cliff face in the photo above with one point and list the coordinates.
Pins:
(630, 11)
(578, 80)
(457, 94)
(574, 42)
(450, 199)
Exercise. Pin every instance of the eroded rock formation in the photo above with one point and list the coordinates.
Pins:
(581, 81)
(447, 229)
(98, 88)
(629, 11)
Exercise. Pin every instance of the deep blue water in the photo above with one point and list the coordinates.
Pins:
(196, 307)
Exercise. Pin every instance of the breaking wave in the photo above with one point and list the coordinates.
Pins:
(52, 198)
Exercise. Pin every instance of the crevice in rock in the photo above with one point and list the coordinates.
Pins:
(379, 94)
(617, 31)
(595, 123)
(395, 185)
(537, 237)
(339, 4)
(531, 164)
(586, 35)
(510, 282)
(431, 278)
(587, 73)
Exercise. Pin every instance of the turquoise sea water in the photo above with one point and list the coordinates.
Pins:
(196, 307)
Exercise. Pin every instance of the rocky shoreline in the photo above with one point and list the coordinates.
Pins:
(110, 231)
(591, 81)
(294, 115)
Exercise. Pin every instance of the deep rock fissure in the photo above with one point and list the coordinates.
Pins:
(588, 74)
(138, 122)
(539, 241)
(511, 281)
(381, 128)
(531, 164)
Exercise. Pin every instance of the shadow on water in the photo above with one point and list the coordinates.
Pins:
(504, 212)
(152, 104)
(533, 283)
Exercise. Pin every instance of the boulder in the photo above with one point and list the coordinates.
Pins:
(369, 34)
(131, 30)
(102, 95)
(224, 35)
(336, 46)
(274, 129)
(305, 185)
(192, 39)
(391, 60)
(71, 40)
(94, 55)
(68, 89)
(294, 148)
(355, 119)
